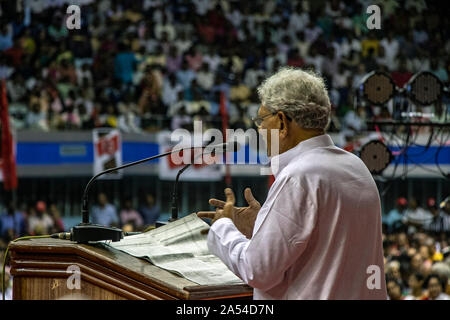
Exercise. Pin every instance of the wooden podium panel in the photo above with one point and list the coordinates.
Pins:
(40, 271)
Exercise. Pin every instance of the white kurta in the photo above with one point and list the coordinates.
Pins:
(318, 234)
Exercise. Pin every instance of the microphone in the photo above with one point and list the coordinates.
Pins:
(86, 231)
(230, 146)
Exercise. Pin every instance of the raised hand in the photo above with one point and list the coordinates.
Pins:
(243, 217)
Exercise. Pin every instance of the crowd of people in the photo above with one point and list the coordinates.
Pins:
(417, 250)
(148, 65)
(43, 217)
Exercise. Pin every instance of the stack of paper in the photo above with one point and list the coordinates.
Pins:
(180, 247)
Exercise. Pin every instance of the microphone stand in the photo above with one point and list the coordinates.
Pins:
(86, 231)
(175, 194)
(174, 208)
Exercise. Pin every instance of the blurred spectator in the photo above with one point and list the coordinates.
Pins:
(359, 75)
(417, 263)
(394, 290)
(355, 121)
(6, 37)
(194, 59)
(124, 64)
(205, 78)
(394, 218)
(8, 284)
(415, 216)
(129, 119)
(58, 223)
(438, 70)
(39, 222)
(415, 283)
(440, 223)
(104, 213)
(12, 223)
(170, 90)
(181, 120)
(174, 59)
(391, 48)
(401, 75)
(185, 75)
(436, 288)
(393, 272)
(150, 100)
(128, 215)
(149, 209)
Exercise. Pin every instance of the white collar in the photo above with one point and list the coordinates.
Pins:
(283, 159)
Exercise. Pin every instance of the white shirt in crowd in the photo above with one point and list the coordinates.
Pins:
(391, 48)
(418, 215)
(443, 296)
(298, 21)
(318, 234)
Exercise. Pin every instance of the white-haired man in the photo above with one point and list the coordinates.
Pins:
(318, 234)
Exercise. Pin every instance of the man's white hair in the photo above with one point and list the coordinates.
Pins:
(300, 94)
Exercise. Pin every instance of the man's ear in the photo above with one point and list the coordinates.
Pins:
(283, 124)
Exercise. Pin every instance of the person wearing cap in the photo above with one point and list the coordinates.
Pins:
(39, 222)
(393, 220)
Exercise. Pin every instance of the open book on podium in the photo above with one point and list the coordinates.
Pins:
(169, 262)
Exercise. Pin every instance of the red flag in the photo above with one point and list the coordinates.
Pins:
(224, 113)
(270, 180)
(8, 158)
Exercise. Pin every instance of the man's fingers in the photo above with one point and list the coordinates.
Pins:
(206, 214)
(217, 203)
(229, 195)
(250, 199)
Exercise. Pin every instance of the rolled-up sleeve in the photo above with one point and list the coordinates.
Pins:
(280, 239)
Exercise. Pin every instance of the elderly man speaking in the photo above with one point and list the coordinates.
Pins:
(318, 234)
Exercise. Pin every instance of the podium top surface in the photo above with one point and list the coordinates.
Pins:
(96, 256)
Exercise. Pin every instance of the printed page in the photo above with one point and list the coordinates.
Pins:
(180, 247)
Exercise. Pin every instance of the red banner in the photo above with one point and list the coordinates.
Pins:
(108, 146)
(224, 114)
(8, 158)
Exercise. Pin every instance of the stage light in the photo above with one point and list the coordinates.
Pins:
(424, 88)
(376, 156)
(377, 87)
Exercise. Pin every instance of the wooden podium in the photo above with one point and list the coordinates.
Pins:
(39, 269)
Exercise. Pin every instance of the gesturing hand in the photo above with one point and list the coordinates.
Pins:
(225, 211)
(243, 217)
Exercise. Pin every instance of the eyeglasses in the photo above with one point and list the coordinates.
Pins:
(258, 120)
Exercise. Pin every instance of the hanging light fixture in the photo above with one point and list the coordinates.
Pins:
(376, 156)
(377, 87)
(424, 88)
